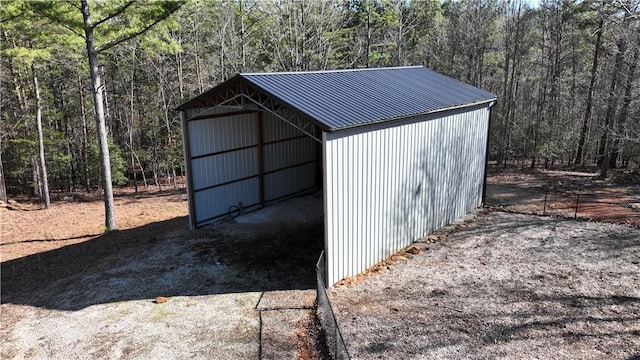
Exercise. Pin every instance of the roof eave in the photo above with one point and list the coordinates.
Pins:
(490, 101)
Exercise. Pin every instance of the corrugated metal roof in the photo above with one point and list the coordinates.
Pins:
(341, 99)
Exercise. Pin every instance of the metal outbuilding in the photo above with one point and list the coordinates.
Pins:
(397, 152)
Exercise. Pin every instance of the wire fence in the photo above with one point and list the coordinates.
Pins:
(598, 205)
(335, 343)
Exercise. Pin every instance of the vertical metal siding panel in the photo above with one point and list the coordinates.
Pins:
(389, 203)
(332, 163)
(223, 133)
(390, 186)
(276, 129)
(288, 153)
(470, 192)
(328, 190)
(289, 181)
(454, 181)
(343, 183)
(216, 135)
(463, 165)
(414, 152)
(235, 165)
(366, 189)
(375, 211)
(440, 174)
(383, 157)
(450, 125)
(351, 172)
(285, 153)
(216, 201)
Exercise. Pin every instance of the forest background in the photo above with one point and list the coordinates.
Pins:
(565, 73)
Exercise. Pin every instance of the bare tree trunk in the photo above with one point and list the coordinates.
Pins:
(369, 35)
(198, 68)
(144, 177)
(624, 110)
(170, 144)
(605, 143)
(92, 53)
(43, 166)
(3, 189)
(84, 151)
(243, 40)
(35, 175)
(592, 82)
(130, 126)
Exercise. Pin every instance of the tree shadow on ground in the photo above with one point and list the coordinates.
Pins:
(164, 259)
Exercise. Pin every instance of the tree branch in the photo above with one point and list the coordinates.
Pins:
(113, 14)
(73, 4)
(57, 20)
(113, 43)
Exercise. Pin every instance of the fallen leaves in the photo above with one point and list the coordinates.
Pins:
(417, 248)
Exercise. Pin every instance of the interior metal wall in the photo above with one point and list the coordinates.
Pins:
(387, 185)
(232, 162)
(289, 159)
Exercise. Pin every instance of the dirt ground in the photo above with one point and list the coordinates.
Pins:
(503, 286)
(76, 218)
(565, 192)
(70, 293)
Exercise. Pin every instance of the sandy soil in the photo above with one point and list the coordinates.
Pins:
(229, 292)
(503, 286)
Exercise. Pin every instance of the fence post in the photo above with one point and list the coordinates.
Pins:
(575, 215)
(544, 207)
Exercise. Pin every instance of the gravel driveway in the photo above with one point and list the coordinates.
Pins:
(502, 286)
(240, 290)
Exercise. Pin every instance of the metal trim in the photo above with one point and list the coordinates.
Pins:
(187, 163)
(225, 183)
(213, 116)
(222, 152)
(486, 157)
(260, 126)
(254, 176)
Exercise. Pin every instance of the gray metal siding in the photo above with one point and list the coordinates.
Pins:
(222, 133)
(388, 186)
(289, 181)
(214, 202)
(276, 129)
(289, 153)
(225, 166)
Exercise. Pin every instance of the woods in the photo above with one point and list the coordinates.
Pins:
(565, 73)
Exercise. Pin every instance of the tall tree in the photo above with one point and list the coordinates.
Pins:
(118, 21)
(43, 167)
(592, 82)
(612, 102)
(626, 102)
(32, 42)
